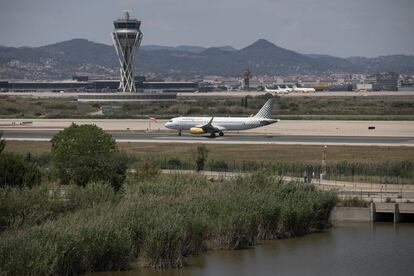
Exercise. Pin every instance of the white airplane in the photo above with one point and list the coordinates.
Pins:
(278, 90)
(288, 89)
(303, 89)
(213, 125)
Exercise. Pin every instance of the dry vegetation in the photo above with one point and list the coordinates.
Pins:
(265, 153)
(26, 107)
(396, 107)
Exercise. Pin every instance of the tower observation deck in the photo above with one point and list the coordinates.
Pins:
(127, 37)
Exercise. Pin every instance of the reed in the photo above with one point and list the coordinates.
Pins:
(159, 221)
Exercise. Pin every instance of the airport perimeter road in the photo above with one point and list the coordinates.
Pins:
(131, 136)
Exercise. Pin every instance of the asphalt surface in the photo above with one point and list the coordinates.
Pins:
(33, 134)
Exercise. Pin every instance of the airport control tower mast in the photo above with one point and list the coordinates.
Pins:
(127, 37)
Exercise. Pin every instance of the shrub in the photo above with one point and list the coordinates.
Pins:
(86, 153)
(17, 172)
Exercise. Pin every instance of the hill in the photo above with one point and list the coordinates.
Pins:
(83, 57)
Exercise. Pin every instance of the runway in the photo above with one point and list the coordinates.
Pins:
(232, 138)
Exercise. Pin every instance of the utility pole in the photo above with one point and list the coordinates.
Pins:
(323, 165)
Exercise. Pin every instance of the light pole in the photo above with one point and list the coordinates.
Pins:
(323, 165)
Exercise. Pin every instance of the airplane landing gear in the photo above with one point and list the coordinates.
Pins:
(179, 133)
(221, 133)
(212, 135)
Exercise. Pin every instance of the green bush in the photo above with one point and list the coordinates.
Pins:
(86, 153)
(17, 172)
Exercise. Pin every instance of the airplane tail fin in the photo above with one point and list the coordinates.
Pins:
(266, 110)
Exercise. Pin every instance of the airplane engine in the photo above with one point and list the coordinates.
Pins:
(197, 130)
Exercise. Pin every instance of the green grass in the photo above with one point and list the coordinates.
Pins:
(161, 220)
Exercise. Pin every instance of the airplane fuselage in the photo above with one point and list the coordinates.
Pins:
(226, 123)
(277, 91)
(213, 125)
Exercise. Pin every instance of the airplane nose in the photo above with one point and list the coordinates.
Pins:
(169, 125)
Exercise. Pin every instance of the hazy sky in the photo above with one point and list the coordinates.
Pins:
(336, 27)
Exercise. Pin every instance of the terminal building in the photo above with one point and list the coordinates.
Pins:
(82, 84)
(128, 97)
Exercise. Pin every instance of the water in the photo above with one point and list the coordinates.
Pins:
(347, 249)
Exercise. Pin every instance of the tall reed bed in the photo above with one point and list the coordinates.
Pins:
(25, 207)
(161, 220)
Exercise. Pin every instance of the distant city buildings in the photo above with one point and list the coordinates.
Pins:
(336, 82)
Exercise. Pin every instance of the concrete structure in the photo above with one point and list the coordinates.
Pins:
(386, 82)
(127, 37)
(361, 87)
(129, 97)
(83, 85)
(176, 87)
(396, 212)
(351, 214)
(246, 79)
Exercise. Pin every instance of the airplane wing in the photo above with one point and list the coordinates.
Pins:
(210, 128)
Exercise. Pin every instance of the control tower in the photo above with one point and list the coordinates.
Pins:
(127, 37)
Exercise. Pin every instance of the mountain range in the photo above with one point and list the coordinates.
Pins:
(83, 57)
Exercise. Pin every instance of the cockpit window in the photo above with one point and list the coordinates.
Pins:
(170, 121)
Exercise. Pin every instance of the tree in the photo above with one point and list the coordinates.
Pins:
(202, 153)
(86, 153)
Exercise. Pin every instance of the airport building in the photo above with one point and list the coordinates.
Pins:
(97, 86)
(128, 97)
(386, 82)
